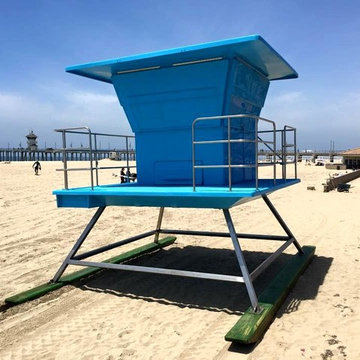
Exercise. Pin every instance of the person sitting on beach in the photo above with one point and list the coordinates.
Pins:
(36, 166)
(122, 176)
(128, 175)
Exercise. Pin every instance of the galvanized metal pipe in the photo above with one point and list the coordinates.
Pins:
(256, 154)
(229, 152)
(225, 141)
(267, 262)
(154, 270)
(224, 234)
(281, 222)
(229, 141)
(223, 166)
(78, 243)
(242, 263)
(66, 183)
(91, 161)
(96, 162)
(274, 153)
(127, 159)
(193, 155)
(113, 245)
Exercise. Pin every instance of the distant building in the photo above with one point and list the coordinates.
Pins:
(31, 141)
(352, 158)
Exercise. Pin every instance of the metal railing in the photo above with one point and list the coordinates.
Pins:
(284, 148)
(284, 153)
(93, 153)
(270, 144)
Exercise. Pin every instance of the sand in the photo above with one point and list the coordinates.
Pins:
(123, 315)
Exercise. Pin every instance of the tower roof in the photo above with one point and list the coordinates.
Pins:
(253, 50)
(31, 135)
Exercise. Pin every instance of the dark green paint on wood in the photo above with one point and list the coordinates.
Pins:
(251, 327)
(77, 275)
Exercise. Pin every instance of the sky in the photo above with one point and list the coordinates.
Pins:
(38, 39)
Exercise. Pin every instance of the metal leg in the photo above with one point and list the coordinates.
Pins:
(242, 263)
(77, 245)
(158, 226)
(282, 223)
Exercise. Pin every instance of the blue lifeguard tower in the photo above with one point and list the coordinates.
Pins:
(195, 112)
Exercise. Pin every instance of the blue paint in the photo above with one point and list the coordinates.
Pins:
(162, 104)
(162, 96)
(253, 49)
(174, 196)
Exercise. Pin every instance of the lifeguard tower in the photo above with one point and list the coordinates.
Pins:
(31, 141)
(195, 112)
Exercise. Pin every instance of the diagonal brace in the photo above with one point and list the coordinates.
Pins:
(282, 223)
(78, 243)
(241, 260)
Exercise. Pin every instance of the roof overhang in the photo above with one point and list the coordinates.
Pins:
(253, 50)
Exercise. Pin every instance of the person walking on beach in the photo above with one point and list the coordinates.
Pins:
(37, 167)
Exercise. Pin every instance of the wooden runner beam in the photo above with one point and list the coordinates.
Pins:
(70, 278)
(252, 326)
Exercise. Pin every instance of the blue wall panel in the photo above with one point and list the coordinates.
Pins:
(161, 106)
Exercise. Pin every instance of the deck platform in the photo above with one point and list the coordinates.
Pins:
(167, 196)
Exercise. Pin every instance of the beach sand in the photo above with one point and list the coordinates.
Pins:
(126, 315)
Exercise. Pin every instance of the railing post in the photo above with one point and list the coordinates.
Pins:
(274, 153)
(96, 162)
(229, 152)
(256, 153)
(127, 159)
(65, 160)
(91, 161)
(229, 141)
(295, 154)
(193, 154)
(283, 153)
(93, 153)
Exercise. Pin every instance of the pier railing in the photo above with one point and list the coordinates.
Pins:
(92, 149)
(276, 157)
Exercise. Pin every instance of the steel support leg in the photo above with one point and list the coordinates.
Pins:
(79, 242)
(158, 226)
(282, 222)
(239, 254)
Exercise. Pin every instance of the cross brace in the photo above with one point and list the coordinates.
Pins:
(73, 259)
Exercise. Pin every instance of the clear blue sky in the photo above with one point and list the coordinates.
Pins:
(38, 39)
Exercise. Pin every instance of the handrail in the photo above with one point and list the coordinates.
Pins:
(257, 140)
(93, 153)
(229, 141)
(286, 145)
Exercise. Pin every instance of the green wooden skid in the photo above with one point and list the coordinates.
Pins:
(67, 279)
(251, 326)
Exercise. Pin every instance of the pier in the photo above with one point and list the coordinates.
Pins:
(306, 154)
(49, 154)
